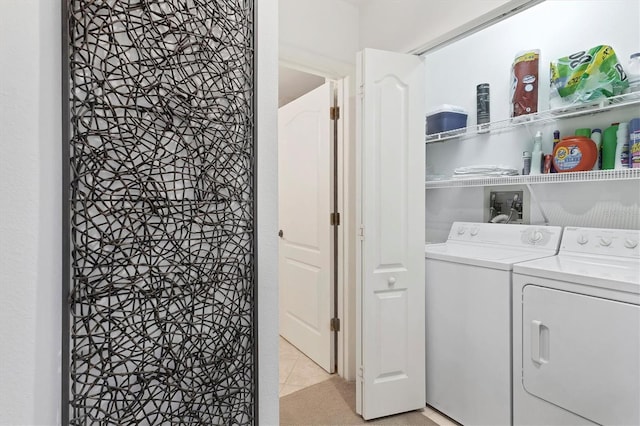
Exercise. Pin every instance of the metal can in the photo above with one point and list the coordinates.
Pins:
(526, 163)
(482, 103)
(548, 163)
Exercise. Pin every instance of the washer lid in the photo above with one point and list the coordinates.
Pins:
(621, 274)
(487, 256)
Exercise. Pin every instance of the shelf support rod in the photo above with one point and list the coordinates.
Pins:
(537, 203)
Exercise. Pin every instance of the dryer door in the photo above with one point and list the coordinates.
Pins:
(582, 353)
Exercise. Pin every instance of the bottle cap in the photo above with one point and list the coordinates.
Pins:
(596, 131)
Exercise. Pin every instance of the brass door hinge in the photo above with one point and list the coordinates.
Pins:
(334, 113)
(334, 219)
(335, 324)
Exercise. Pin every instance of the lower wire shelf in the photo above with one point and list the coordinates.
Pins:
(590, 176)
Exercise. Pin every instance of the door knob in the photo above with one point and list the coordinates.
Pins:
(280, 233)
(391, 280)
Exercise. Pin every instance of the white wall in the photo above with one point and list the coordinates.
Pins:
(486, 57)
(30, 212)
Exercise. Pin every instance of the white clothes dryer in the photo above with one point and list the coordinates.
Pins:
(576, 325)
(468, 316)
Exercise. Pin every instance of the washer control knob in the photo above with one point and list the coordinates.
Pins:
(474, 231)
(583, 239)
(461, 230)
(604, 241)
(535, 236)
(629, 243)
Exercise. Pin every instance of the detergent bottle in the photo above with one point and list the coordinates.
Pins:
(609, 147)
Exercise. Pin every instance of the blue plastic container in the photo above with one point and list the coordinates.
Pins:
(445, 118)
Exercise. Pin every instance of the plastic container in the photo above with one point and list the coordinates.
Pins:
(622, 147)
(445, 118)
(609, 147)
(633, 72)
(596, 137)
(575, 154)
(556, 140)
(583, 132)
(634, 143)
(548, 161)
(536, 155)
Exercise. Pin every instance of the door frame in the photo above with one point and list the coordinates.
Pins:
(345, 174)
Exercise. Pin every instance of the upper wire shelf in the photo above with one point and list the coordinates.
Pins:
(604, 104)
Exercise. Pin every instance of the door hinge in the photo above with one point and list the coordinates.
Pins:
(335, 324)
(361, 372)
(334, 219)
(361, 232)
(334, 113)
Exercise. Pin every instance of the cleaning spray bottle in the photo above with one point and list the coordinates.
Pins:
(622, 146)
(536, 154)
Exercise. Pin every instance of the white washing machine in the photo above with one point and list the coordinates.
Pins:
(576, 319)
(468, 316)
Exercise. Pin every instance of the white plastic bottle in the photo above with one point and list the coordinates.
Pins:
(536, 154)
(633, 72)
(622, 146)
(596, 136)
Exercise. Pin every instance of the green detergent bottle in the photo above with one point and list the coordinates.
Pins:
(609, 141)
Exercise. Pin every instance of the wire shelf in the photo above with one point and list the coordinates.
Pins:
(598, 175)
(602, 105)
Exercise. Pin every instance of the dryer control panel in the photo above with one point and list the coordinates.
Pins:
(524, 236)
(600, 241)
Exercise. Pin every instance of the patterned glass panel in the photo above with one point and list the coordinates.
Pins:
(161, 209)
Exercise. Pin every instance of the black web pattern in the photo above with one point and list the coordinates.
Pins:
(162, 289)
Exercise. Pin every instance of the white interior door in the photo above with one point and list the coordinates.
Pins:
(391, 209)
(305, 182)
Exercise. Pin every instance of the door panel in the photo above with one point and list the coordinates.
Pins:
(392, 338)
(390, 185)
(305, 180)
(391, 178)
(582, 353)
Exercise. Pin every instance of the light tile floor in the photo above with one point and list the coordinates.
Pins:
(297, 372)
(438, 418)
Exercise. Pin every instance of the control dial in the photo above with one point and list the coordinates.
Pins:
(629, 243)
(605, 242)
(583, 239)
(461, 230)
(535, 236)
(474, 231)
